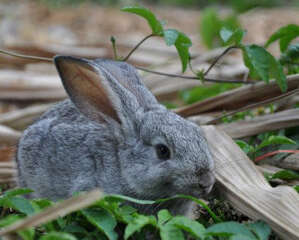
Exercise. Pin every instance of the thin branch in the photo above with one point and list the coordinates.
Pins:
(140, 68)
(193, 77)
(269, 154)
(26, 56)
(218, 58)
(255, 105)
(135, 48)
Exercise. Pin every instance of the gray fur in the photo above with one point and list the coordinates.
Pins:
(67, 151)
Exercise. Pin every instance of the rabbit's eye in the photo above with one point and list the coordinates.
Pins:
(163, 151)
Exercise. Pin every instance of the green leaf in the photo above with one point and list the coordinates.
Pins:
(210, 25)
(198, 201)
(182, 44)
(10, 219)
(17, 191)
(125, 213)
(103, 220)
(27, 234)
(297, 188)
(42, 203)
(171, 232)
(75, 228)
(170, 36)
(58, 236)
(275, 140)
(261, 229)
(228, 229)
(204, 92)
(190, 226)
(153, 22)
(163, 216)
(20, 204)
(241, 237)
(286, 175)
(263, 65)
(245, 146)
(232, 36)
(291, 55)
(285, 35)
(138, 223)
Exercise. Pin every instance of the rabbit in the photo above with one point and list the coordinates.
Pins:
(112, 133)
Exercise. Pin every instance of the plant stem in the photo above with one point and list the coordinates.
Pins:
(138, 44)
(193, 77)
(269, 154)
(218, 58)
(25, 56)
(112, 39)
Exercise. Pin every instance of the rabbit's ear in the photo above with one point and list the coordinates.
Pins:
(101, 88)
(86, 88)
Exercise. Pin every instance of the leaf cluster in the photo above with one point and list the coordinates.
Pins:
(111, 217)
(171, 36)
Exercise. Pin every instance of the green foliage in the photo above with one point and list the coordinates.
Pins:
(263, 65)
(234, 37)
(290, 59)
(271, 140)
(58, 236)
(286, 175)
(285, 35)
(153, 22)
(171, 36)
(266, 140)
(261, 229)
(227, 229)
(259, 61)
(297, 188)
(101, 220)
(211, 24)
(205, 91)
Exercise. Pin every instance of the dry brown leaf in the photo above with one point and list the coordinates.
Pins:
(270, 122)
(21, 118)
(247, 189)
(6, 156)
(237, 98)
(8, 136)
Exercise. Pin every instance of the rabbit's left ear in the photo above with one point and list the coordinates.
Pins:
(104, 89)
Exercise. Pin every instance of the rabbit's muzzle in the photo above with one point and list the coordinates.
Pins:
(206, 182)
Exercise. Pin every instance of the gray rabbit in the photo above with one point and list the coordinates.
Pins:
(113, 134)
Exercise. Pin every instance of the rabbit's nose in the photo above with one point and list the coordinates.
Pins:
(206, 181)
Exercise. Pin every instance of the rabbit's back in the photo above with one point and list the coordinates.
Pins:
(63, 152)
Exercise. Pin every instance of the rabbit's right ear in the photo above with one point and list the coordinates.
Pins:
(86, 87)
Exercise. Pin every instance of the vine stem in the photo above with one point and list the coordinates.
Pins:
(193, 77)
(26, 56)
(137, 46)
(140, 68)
(218, 58)
(269, 154)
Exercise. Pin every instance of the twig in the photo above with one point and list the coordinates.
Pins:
(269, 154)
(193, 77)
(140, 68)
(218, 58)
(255, 105)
(135, 48)
(25, 56)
